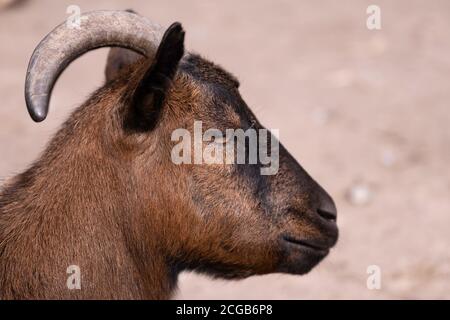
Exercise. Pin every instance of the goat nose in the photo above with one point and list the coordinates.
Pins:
(327, 209)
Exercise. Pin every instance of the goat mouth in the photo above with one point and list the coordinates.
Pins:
(307, 245)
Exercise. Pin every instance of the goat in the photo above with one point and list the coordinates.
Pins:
(106, 197)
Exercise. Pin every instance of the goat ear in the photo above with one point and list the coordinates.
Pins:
(148, 98)
(118, 60)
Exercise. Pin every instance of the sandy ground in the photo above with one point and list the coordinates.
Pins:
(365, 112)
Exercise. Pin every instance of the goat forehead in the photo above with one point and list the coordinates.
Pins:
(205, 71)
(220, 85)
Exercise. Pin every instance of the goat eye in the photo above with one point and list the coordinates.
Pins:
(221, 140)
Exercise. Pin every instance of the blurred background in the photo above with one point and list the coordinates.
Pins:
(366, 113)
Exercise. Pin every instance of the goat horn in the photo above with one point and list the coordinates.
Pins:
(66, 43)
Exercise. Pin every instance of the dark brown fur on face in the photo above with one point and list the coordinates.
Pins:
(106, 196)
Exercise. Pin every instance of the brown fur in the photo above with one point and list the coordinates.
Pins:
(108, 199)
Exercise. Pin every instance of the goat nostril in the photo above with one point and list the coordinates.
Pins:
(327, 209)
(329, 215)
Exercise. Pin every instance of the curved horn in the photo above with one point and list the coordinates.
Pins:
(66, 43)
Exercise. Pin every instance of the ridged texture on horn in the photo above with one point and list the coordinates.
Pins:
(64, 44)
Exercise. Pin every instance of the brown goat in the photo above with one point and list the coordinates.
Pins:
(105, 195)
